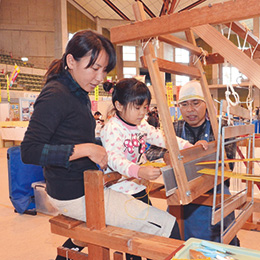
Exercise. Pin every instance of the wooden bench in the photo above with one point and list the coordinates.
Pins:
(102, 238)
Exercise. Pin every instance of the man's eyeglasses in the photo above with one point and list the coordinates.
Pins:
(193, 103)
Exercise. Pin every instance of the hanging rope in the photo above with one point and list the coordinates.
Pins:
(202, 56)
(253, 52)
(155, 43)
(229, 30)
(231, 91)
(244, 44)
(249, 101)
(145, 44)
(238, 42)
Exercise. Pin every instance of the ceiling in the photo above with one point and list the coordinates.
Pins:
(122, 9)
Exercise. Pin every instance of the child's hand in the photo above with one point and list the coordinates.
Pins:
(204, 144)
(149, 172)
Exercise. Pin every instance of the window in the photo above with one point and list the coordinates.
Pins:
(232, 75)
(129, 53)
(182, 55)
(129, 72)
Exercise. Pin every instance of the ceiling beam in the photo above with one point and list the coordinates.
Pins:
(113, 7)
(192, 5)
(173, 6)
(146, 9)
(165, 7)
(177, 22)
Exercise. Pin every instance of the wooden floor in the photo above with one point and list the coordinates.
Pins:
(25, 237)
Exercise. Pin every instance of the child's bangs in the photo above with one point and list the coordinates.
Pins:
(142, 95)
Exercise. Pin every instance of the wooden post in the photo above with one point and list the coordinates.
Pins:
(158, 87)
(95, 211)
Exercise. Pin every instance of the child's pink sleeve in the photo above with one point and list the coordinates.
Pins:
(133, 171)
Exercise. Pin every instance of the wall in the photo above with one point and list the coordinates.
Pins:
(77, 20)
(27, 28)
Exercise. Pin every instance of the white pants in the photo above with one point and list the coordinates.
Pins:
(122, 210)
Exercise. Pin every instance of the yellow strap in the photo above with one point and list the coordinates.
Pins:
(230, 161)
(248, 177)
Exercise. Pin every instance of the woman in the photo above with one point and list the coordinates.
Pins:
(61, 138)
(61, 133)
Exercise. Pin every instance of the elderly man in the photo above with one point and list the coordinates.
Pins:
(196, 126)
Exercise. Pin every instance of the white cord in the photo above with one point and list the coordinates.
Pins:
(229, 101)
(155, 42)
(244, 45)
(203, 56)
(253, 52)
(229, 30)
(249, 102)
(144, 45)
(234, 93)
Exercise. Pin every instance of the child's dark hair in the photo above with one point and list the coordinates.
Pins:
(97, 113)
(82, 43)
(129, 91)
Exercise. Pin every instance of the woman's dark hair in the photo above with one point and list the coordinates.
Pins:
(128, 91)
(82, 43)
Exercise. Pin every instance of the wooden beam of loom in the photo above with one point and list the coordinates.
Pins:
(158, 87)
(149, 246)
(205, 88)
(236, 110)
(234, 131)
(213, 14)
(239, 223)
(244, 33)
(229, 207)
(174, 68)
(179, 43)
(100, 238)
(96, 218)
(71, 253)
(200, 184)
(229, 51)
(256, 55)
(214, 58)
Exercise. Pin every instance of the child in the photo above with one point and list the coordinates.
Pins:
(125, 135)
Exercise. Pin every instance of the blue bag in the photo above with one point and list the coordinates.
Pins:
(21, 176)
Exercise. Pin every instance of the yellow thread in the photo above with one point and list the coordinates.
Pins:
(149, 187)
(230, 161)
(249, 177)
(154, 164)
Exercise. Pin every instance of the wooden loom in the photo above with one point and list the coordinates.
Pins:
(143, 29)
(99, 237)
